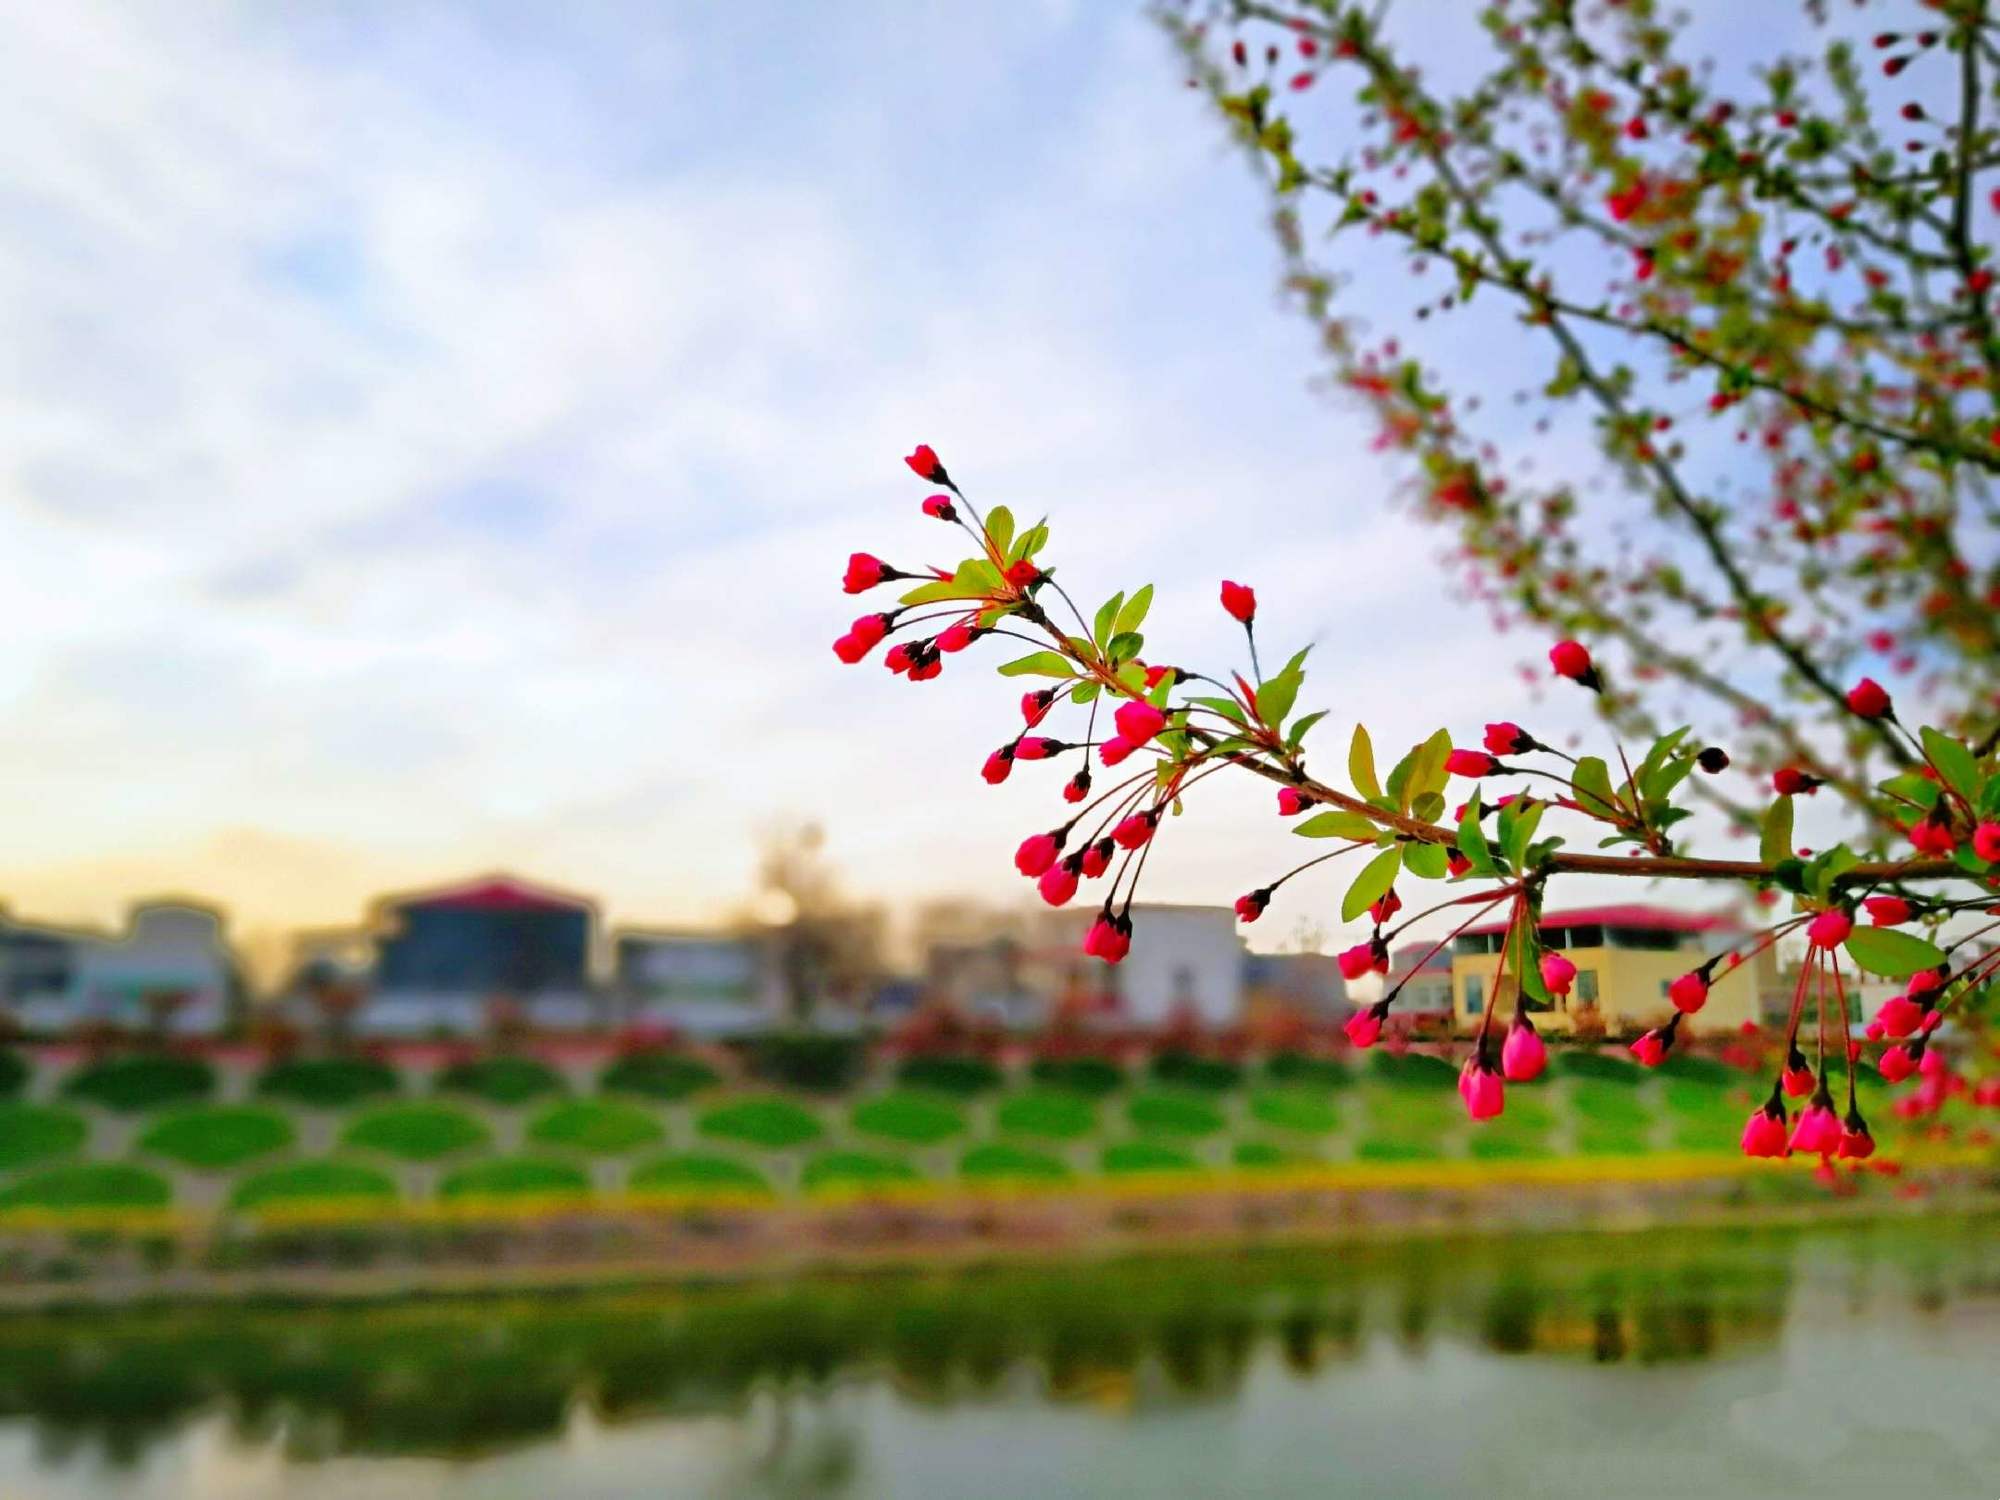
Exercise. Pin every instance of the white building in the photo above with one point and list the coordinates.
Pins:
(171, 969)
(701, 984)
(1184, 960)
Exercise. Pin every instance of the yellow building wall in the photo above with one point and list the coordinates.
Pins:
(1631, 990)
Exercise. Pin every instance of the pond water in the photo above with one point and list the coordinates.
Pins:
(1857, 1361)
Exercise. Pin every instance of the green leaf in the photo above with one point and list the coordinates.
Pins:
(1658, 783)
(1361, 763)
(1894, 954)
(1125, 645)
(1472, 840)
(1038, 664)
(1518, 830)
(1084, 692)
(1000, 527)
(1133, 614)
(1276, 696)
(1374, 880)
(1429, 807)
(940, 588)
(977, 575)
(1911, 787)
(1591, 781)
(1336, 823)
(1426, 861)
(1775, 843)
(1107, 616)
(1301, 725)
(1133, 676)
(1029, 542)
(1429, 774)
(1227, 707)
(1953, 761)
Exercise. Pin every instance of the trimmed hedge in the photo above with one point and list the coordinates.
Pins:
(501, 1080)
(220, 1136)
(1187, 1070)
(515, 1177)
(1052, 1113)
(417, 1132)
(1295, 1109)
(1398, 1148)
(1415, 1070)
(772, 1123)
(31, 1134)
(809, 1061)
(658, 1075)
(696, 1172)
(328, 1082)
(601, 1127)
(1573, 1062)
(964, 1076)
(1080, 1075)
(130, 1084)
(908, 1116)
(85, 1185)
(1001, 1162)
(1174, 1113)
(314, 1182)
(1146, 1156)
(1300, 1067)
(855, 1169)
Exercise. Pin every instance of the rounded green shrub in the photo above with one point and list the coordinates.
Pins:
(31, 1134)
(515, 1177)
(771, 1123)
(328, 1082)
(1189, 1071)
(694, 1172)
(963, 1076)
(601, 1127)
(999, 1162)
(1398, 1148)
(1584, 1062)
(810, 1060)
(130, 1084)
(314, 1182)
(1595, 1100)
(417, 1132)
(658, 1075)
(1094, 1076)
(218, 1136)
(1303, 1110)
(1415, 1070)
(1267, 1154)
(1173, 1113)
(15, 1072)
(1302, 1068)
(1053, 1113)
(855, 1169)
(1146, 1156)
(501, 1080)
(908, 1116)
(84, 1186)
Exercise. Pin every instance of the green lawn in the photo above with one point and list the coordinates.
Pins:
(86, 1185)
(601, 1127)
(1146, 1156)
(1172, 1113)
(1299, 1068)
(658, 1075)
(906, 1115)
(219, 1136)
(1054, 1114)
(15, 1072)
(328, 1082)
(1398, 1148)
(962, 1076)
(770, 1122)
(1600, 1066)
(696, 1172)
(1599, 1102)
(1080, 1075)
(515, 1177)
(1268, 1154)
(314, 1182)
(1307, 1111)
(501, 1080)
(1001, 1162)
(417, 1132)
(1186, 1070)
(130, 1084)
(31, 1134)
(856, 1169)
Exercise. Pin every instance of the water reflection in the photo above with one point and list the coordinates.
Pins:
(782, 1370)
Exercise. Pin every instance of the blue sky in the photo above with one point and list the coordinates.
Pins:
(436, 434)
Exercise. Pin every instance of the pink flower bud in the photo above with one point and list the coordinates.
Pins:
(1900, 1016)
(1508, 739)
(899, 659)
(1036, 854)
(1292, 802)
(1470, 763)
(1249, 908)
(1929, 836)
(1078, 786)
(1114, 750)
(941, 507)
(864, 571)
(1689, 993)
(1830, 928)
(1896, 1064)
(1818, 1131)
(1134, 831)
(1986, 842)
(1652, 1047)
(1356, 961)
(1109, 938)
(998, 764)
(1484, 1094)
(1138, 722)
(1571, 660)
(956, 636)
(1764, 1134)
(1096, 859)
(1034, 747)
(1887, 911)
(1868, 699)
(1524, 1055)
(1558, 973)
(1364, 1027)
(1058, 884)
(924, 464)
(1856, 1144)
(1035, 706)
(1240, 600)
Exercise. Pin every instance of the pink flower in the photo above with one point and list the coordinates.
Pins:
(1900, 1016)
(1240, 600)
(1508, 739)
(1456, 864)
(924, 464)
(1109, 938)
(1138, 722)
(1249, 908)
(1652, 1047)
(1078, 786)
(1356, 961)
(1364, 1027)
(1868, 699)
(1986, 842)
(900, 659)
(957, 636)
(1764, 1133)
(1035, 706)
(1133, 832)
(1037, 853)
(1292, 802)
(1689, 993)
(1856, 1144)
(1034, 747)
(1384, 907)
(1797, 1079)
(1470, 763)
(998, 764)
(1830, 928)
(940, 506)
(861, 638)
(1558, 973)
(1790, 781)
(1485, 1096)
(1058, 883)
(864, 571)
(1570, 659)
(1818, 1130)
(1895, 1064)
(1524, 1055)
(925, 663)
(1095, 859)
(1113, 750)
(1929, 836)
(1887, 911)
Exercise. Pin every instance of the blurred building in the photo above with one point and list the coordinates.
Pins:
(456, 961)
(1625, 958)
(1185, 960)
(1304, 984)
(702, 984)
(1425, 979)
(171, 971)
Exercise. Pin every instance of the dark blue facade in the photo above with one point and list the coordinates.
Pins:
(459, 949)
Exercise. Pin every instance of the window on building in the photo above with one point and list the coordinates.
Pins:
(1474, 942)
(1587, 936)
(1586, 987)
(1475, 997)
(1650, 939)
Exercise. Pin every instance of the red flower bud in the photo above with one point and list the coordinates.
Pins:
(1829, 929)
(1078, 786)
(900, 658)
(1524, 1055)
(1249, 908)
(1034, 747)
(1887, 911)
(957, 636)
(1038, 853)
(1058, 883)
(924, 464)
(1109, 938)
(1930, 836)
(864, 571)
(1986, 842)
(1292, 802)
(1134, 832)
(1095, 859)
(1364, 1027)
(1900, 1016)
(1022, 573)
(1470, 763)
(1508, 739)
(998, 764)
(1651, 1048)
(941, 507)
(1035, 706)
(1790, 781)
(1764, 1132)
(1385, 907)
(1138, 722)
(1240, 600)
(1689, 993)
(1571, 660)
(1558, 973)
(1457, 864)
(1113, 750)
(861, 638)
(1868, 699)
(1797, 1080)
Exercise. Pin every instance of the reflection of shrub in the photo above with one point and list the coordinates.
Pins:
(1186, 1070)
(657, 1075)
(1266, 1154)
(314, 1182)
(14, 1073)
(1581, 1062)
(602, 1127)
(1700, 1070)
(515, 1177)
(775, 1123)
(1084, 1075)
(950, 1075)
(328, 1082)
(908, 1117)
(1174, 1114)
(31, 1133)
(224, 1136)
(417, 1132)
(1056, 1114)
(1419, 1070)
(501, 1080)
(855, 1169)
(85, 1185)
(695, 1172)
(1398, 1148)
(1003, 1162)
(1146, 1156)
(1295, 1109)
(809, 1060)
(135, 1083)
(1298, 1067)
